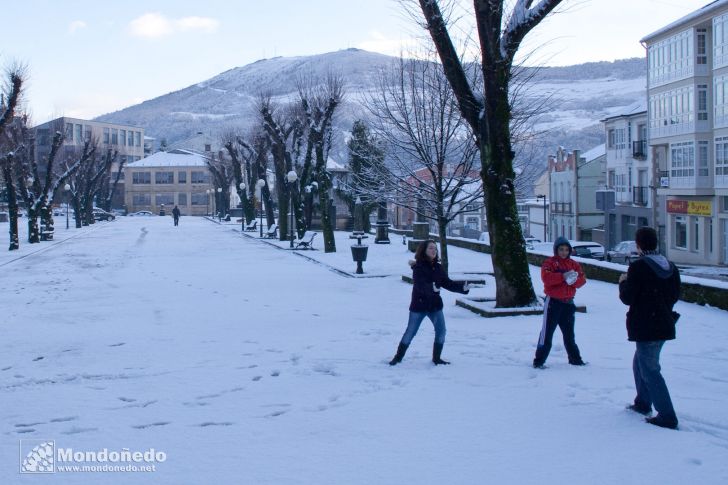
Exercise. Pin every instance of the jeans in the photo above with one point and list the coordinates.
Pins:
(557, 313)
(415, 319)
(651, 387)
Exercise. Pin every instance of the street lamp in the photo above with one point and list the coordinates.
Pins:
(259, 185)
(207, 208)
(544, 215)
(67, 188)
(292, 177)
(242, 208)
(219, 203)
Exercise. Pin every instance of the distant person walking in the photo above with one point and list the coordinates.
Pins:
(561, 277)
(651, 287)
(176, 214)
(428, 277)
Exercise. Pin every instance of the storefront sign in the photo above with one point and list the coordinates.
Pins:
(690, 207)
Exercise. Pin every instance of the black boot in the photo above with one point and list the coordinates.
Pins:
(401, 349)
(436, 352)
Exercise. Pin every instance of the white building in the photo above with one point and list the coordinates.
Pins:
(687, 91)
(574, 179)
(628, 201)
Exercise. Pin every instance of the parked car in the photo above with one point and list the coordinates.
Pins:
(118, 212)
(102, 215)
(624, 252)
(587, 249)
(140, 214)
(530, 241)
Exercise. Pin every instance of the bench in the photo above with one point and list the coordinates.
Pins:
(251, 226)
(306, 242)
(272, 232)
(46, 233)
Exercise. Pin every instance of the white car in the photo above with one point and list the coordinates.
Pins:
(140, 214)
(587, 249)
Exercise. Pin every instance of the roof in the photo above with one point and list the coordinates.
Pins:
(708, 9)
(334, 166)
(631, 110)
(170, 159)
(594, 153)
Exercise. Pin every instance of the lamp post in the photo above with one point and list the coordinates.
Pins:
(219, 203)
(544, 215)
(242, 209)
(67, 188)
(207, 208)
(292, 176)
(259, 185)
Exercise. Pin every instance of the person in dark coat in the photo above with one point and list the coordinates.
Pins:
(651, 287)
(561, 276)
(176, 214)
(428, 277)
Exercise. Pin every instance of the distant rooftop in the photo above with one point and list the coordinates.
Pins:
(176, 158)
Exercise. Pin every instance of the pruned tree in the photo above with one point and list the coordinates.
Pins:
(257, 153)
(80, 179)
(488, 111)
(241, 156)
(223, 177)
(433, 158)
(8, 104)
(319, 101)
(109, 184)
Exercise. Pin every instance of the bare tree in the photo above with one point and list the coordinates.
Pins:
(11, 93)
(488, 111)
(433, 159)
(223, 176)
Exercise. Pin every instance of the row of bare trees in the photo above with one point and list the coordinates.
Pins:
(38, 180)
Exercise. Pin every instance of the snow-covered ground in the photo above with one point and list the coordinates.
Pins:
(245, 363)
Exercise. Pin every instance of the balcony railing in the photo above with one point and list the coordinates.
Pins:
(639, 149)
(640, 195)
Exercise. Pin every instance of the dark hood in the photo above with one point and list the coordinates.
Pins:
(560, 241)
(659, 265)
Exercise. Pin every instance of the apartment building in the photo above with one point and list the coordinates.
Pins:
(125, 139)
(574, 179)
(166, 179)
(687, 94)
(628, 200)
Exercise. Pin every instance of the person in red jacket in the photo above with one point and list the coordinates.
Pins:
(561, 277)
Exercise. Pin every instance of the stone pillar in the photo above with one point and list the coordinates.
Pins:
(382, 224)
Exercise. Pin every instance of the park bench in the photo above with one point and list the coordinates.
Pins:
(272, 232)
(306, 242)
(251, 226)
(46, 233)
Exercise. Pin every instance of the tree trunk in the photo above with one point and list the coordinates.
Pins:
(510, 263)
(33, 229)
(270, 216)
(326, 222)
(283, 218)
(442, 232)
(77, 212)
(46, 217)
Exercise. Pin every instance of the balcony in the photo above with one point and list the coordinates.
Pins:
(639, 149)
(561, 207)
(640, 196)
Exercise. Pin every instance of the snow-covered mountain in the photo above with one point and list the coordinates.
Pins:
(579, 96)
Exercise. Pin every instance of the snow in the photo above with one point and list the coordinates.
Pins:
(238, 359)
(168, 159)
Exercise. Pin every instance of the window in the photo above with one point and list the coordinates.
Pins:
(164, 177)
(702, 102)
(472, 223)
(208, 147)
(164, 199)
(181, 177)
(724, 205)
(44, 135)
(721, 155)
(611, 139)
(198, 198)
(137, 138)
(700, 47)
(114, 136)
(471, 208)
(87, 136)
(141, 178)
(69, 132)
(610, 179)
(681, 232)
(696, 233)
(703, 159)
(181, 199)
(200, 177)
(122, 137)
(79, 133)
(682, 163)
(107, 136)
(142, 199)
(130, 138)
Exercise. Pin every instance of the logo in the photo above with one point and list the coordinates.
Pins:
(37, 456)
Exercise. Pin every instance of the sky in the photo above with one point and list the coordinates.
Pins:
(86, 58)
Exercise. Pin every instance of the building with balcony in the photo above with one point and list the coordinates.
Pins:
(125, 139)
(628, 199)
(178, 177)
(574, 179)
(687, 94)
